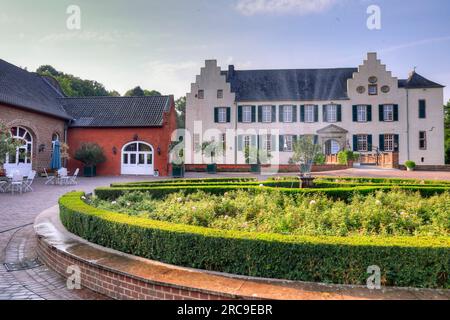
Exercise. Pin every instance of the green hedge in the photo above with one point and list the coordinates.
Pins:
(404, 261)
(183, 181)
(365, 180)
(343, 193)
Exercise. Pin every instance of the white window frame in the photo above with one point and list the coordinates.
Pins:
(361, 113)
(288, 143)
(201, 94)
(309, 113)
(362, 143)
(332, 113)
(267, 142)
(222, 115)
(389, 143)
(388, 112)
(424, 139)
(372, 93)
(266, 114)
(247, 114)
(288, 114)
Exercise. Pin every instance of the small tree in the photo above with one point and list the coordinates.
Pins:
(7, 144)
(177, 152)
(305, 152)
(211, 149)
(90, 154)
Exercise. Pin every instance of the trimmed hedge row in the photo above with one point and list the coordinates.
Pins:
(342, 193)
(404, 261)
(366, 180)
(183, 181)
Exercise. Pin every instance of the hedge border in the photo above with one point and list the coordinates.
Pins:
(404, 261)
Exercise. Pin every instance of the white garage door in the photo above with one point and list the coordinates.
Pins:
(137, 159)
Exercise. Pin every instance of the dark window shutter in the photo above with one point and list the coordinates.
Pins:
(396, 142)
(422, 109)
(316, 139)
(260, 113)
(228, 115)
(316, 113)
(369, 113)
(355, 143)
(302, 113)
(216, 115)
(369, 142)
(381, 145)
(324, 110)
(381, 112)
(239, 113)
(274, 113)
(395, 112)
(280, 114)
(253, 113)
(240, 143)
(339, 113)
(294, 114)
(355, 113)
(281, 143)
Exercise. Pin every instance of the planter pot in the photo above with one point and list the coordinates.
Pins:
(211, 168)
(409, 169)
(255, 168)
(90, 171)
(2, 172)
(178, 171)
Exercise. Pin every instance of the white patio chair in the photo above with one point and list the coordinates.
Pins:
(72, 180)
(16, 183)
(29, 181)
(62, 176)
(50, 179)
(3, 186)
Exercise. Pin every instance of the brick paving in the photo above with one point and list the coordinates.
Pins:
(17, 239)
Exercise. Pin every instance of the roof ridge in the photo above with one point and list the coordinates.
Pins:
(114, 97)
(305, 69)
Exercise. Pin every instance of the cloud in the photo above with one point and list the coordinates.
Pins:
(299, 7)
(107, 36)
(415, 44)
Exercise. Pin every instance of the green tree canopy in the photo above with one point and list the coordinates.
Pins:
(180, 106)
(139, 92)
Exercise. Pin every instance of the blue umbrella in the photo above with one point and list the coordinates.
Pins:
(56, 156)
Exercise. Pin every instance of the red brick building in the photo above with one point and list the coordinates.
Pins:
(134, 132)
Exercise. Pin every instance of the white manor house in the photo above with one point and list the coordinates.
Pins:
(364, 109)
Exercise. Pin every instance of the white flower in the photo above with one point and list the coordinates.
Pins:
(128, 204)
(194, 208)
(226, 217)
(114, 202)
(179, 199)
(83, 197)
(313, 202)
(261, 185)
(403, 213)
(378, 202)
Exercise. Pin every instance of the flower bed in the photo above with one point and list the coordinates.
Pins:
(278, 246)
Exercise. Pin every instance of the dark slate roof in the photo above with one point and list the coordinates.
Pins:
(416, 81)
(28, 90)
(117, 111)
(292, 84)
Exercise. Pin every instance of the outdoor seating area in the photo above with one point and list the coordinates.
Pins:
(16, 182)
(61, 177)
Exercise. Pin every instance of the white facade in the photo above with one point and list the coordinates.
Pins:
(401, 131)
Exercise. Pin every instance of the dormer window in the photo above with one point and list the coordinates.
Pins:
(373, 89)
(201, 94)
(219, 94)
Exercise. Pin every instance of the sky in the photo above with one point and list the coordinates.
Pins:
(162, 44)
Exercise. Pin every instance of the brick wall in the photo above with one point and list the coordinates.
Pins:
(40, 126)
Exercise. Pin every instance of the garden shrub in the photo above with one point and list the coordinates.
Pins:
(404, 261)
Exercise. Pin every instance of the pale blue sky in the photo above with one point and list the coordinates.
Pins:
(161, 44)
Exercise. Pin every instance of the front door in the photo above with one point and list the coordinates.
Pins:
(137, 159)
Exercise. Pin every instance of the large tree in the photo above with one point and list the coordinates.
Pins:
(447, 132)
(73, 86)
(139, 92)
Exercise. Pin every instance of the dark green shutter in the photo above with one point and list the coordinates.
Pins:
(355, 143)
(381, 112)
(324, 111)
(274, 113)
(302, 113)
(260, 113)
(316, 113)
(216, 115)
(369, 142)
(281, 143)
(339, 113)
(395, 112)
(294, 114)
(281, 114)
(355, 113)
(369, 113)
(422, 109)
(253, 113)
(396, 142)
(228, 115)
(316, 139)
(381, 145)
(239, 113)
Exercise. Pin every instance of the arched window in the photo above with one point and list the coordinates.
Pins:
(137, 158)
(24, 153)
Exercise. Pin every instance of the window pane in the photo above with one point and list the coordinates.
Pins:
(131, 147)
(247, 114)
(144, 147)
(21, 132)
(141, 158)
(149, 159)
(362, 113)
(133, 158)
(125, 158)
(309, 113)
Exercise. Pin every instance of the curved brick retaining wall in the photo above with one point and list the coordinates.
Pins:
(122, 276)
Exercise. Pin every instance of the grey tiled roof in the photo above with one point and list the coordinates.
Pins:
(292, 84)
(117, 111)
(416, 81)
(28, 90)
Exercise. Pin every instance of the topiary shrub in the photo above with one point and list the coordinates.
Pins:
(410, 165)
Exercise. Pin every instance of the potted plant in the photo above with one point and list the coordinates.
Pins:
(211, 149)
(90, 154)
(410, 165)
(176, 154)
(356, 159)
(305, 152)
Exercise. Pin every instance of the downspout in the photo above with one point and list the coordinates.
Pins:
(407, 123)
